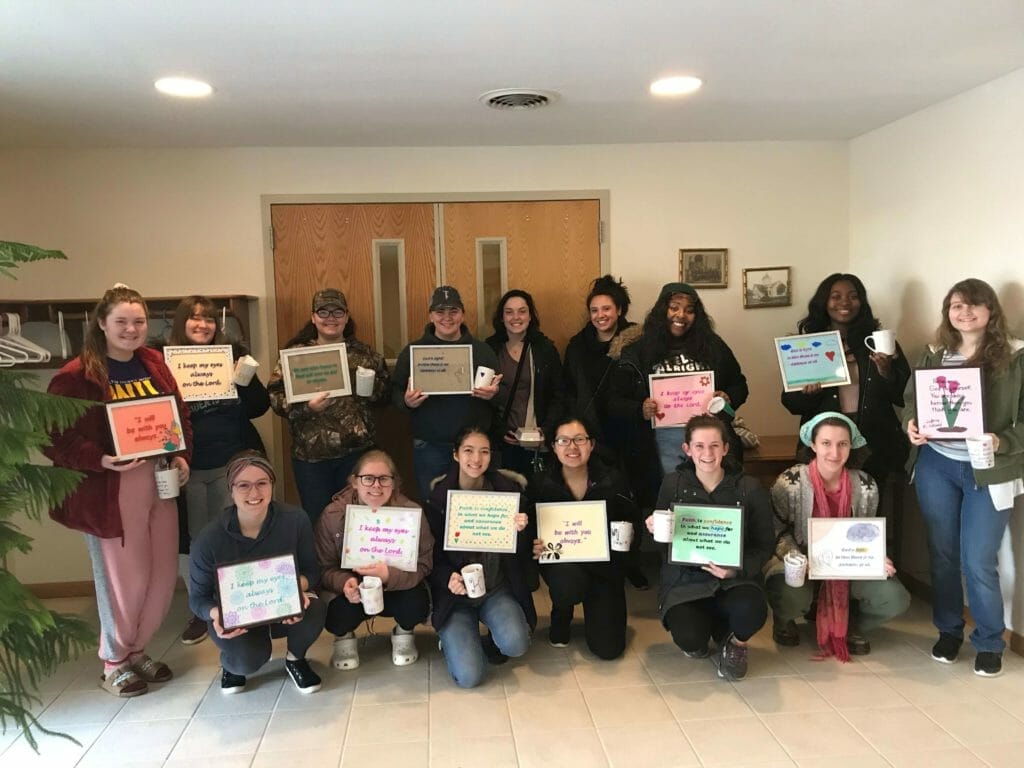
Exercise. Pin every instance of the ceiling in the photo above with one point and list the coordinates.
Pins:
(409, 72)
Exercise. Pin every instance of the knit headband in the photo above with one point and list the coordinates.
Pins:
(239, 463)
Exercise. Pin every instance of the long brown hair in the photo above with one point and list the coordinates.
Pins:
(94, 347)
(994, 352)
(194, 305)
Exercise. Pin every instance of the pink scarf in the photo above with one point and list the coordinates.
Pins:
(834, 597)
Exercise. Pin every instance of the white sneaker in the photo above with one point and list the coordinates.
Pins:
(346, 652)
(403, 647)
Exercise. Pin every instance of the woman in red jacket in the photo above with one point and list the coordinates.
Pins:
(131, 534)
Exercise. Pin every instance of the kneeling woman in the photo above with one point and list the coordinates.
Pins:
(580, 476)
(826, 487)
(255, 526)
(699, 603)
(374, 483)
(507, 606)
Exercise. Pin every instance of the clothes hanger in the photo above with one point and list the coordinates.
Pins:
(35, 353)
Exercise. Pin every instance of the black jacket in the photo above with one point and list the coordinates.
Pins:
(587, 376)
(686, 583)
(547, 381)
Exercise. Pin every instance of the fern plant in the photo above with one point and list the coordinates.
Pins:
(33, 640)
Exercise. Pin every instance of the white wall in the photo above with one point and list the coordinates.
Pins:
(934, 198)
(189, 221)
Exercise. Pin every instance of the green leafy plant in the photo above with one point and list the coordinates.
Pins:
(34, 641)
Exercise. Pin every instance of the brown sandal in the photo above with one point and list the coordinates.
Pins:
(123, 682)
(151, 670)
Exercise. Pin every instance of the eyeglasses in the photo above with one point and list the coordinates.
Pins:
(260, 485)
(385, 481)
(337, 314)
(563, 442)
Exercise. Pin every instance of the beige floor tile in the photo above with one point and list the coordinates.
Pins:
(548, 711)
(169, 702)
(873, 760)
(223, 761)
(260, 695)
(470, 715)
(1007, 755)
(80, 707)
(560, 749)
(54, 752)
(935, 684)
(652, 745)
(336, 693)
(413, 754)
(767, 662)
(1005, 690)
(854, 687)
(626, 706)
(392, 685)
(211, 737)
(305, 758)
(886, 657)
(733, 740)
(704, 701)
(628, 670)
(972, 725)
(388, 723)
(816, 734)
(943, 758)
(292, 729)
(538, 676)
(901, 729)
(770, 695)
(138, 742)
(474, 752)
(667, 668)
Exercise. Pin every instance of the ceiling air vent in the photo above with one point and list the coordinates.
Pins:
(518, 98)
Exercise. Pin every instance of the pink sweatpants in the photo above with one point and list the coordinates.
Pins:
(135, 579)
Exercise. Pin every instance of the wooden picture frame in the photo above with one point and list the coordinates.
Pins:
(149, 426)
(264, 590)
(949, 403)
(441, 369)
(704, 267)
(767, 287)
(308, 371)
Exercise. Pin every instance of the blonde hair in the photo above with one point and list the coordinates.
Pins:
(377, 455)
(94, 346)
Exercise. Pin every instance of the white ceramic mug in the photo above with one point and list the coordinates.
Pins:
(484, 376)
(796, 568)
(371, 595)
(622, 535)
(664, 522)
(473, 578)
(364, 381)
(881, 342)
(167, 483)
(982, 451)
(245, 369)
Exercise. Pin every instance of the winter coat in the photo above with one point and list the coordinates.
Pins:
(547, 381)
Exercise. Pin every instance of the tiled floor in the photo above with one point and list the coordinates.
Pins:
(554, 707)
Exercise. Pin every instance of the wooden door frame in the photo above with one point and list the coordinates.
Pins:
(267, 320)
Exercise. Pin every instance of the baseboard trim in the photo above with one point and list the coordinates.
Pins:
(54, 589)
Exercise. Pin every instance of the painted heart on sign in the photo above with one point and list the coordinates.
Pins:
(830, 355)
(457, 534)
(659, 416)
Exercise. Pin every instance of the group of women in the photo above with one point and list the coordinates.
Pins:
(594, 413)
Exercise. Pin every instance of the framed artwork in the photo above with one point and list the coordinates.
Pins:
(202, 373)
(389, 535)
(481, 521)
(680, 396)
(261, 591)
(574, 531)
(704, 267)
(950, 402)
(308, 371)
(705, 533)
(846, 548)
(812, 358)
(441, 369)
(766, 287)
(147, 427)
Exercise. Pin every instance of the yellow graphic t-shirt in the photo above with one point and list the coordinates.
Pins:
(129, 380)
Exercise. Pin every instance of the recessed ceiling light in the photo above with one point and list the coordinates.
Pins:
(675, 86)
(183, 87)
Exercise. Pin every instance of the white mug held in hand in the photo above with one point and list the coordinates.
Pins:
(622, 535)
(664, 522)
(484, 376)
(245, 369)
(473, 578)
(364, 381)
(371, 595)
(796, 568)
(167, 481)
(881, 342)
(982, 452)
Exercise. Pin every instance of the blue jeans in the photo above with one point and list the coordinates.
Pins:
(318, 481)
(430, 460)
(670, 447)
(460, 635)
(964, 530)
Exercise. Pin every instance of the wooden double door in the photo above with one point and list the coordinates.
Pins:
(550, 248)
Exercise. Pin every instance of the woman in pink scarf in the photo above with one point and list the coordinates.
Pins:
(827, 487)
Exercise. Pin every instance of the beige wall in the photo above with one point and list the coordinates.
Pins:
(177, 222)
(934, 198)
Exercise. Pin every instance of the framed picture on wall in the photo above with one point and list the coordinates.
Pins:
(704, 267)
(766, 287)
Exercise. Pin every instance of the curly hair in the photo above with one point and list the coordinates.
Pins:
(606, 285)
(498, 319)
(697, 341)
(817, 320)
(994, 352)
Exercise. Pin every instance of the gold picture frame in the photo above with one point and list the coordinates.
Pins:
(704, 267)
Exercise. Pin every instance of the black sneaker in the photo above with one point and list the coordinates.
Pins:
(988, 664)
(946, 648)
(305, 679)
(491, 650)
(732, 660)
(702, 653)
(785, 633)
(561, 627)
(857, 644)
(231, 683)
